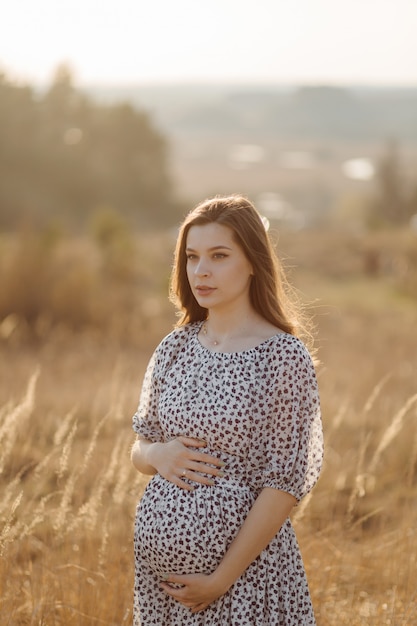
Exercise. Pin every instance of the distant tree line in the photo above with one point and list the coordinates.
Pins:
(394, 201)
(305, 112)
(317, 115)
(62, 156)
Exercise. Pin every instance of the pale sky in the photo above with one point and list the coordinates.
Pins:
(154, 41)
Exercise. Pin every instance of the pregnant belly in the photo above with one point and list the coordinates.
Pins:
(182, 531)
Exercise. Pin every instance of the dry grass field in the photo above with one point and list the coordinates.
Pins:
(67, 393)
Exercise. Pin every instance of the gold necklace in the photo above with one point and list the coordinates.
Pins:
(214, 342)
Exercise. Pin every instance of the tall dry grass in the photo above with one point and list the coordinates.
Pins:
(69, 492)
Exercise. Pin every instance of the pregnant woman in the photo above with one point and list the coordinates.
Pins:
(229, 427)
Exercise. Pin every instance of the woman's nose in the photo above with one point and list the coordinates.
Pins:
(201, 269)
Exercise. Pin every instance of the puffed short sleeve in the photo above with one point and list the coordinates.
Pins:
(292, 431)
(145, 420)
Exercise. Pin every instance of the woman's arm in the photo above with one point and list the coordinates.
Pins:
(139, 456)
(269, 512)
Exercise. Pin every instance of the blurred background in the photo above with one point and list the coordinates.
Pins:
(115, 120)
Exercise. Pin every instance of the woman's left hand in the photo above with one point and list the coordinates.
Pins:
(197, 592)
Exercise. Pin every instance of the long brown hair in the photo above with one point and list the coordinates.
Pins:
(269, 290)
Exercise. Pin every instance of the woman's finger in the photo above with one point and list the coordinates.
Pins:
(206, 469)
(198, 478)
(204, 457)
(199, 457)
(192, 442)
(181, 482)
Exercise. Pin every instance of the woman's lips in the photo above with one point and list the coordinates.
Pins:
(202, 290)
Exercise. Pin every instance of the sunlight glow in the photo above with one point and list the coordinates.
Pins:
(225, 40)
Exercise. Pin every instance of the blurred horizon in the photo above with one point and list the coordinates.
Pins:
(307, 155)
(146, 107)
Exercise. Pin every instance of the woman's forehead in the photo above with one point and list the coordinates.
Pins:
(209, 235)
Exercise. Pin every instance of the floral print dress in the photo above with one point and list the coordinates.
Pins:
(259, 412)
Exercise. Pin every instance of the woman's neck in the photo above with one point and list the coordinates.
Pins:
(241, 332)
(231, 323)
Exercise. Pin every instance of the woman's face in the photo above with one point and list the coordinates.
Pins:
(218, 271)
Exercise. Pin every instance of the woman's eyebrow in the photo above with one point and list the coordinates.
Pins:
(211, 249)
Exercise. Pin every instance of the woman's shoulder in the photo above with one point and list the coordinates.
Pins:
(180, 334)
(287, 347)
(177, 338)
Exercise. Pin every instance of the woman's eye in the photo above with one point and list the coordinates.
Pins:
(220, 255)
(191, 257)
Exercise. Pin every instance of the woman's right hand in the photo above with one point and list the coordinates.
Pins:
(179, 462)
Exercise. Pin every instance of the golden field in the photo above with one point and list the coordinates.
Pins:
(71, 363)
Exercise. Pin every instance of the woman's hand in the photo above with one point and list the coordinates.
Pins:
(176, 461)
(197, 590)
